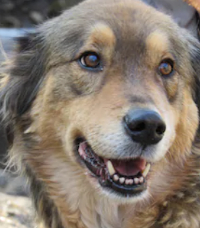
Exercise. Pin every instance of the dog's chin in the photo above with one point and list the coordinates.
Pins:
(120, 199)
(118, 178)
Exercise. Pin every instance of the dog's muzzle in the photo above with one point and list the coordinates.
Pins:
(126, 175)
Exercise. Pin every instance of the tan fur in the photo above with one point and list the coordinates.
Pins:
(101, 33)
(157, 42)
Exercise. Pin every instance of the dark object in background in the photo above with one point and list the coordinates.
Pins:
(26, 13)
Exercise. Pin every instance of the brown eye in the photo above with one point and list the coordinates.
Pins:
(166, 67)
(90, 60)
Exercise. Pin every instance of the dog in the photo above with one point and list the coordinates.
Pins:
(101, 108)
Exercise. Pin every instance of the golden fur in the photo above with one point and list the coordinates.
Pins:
(49, 100)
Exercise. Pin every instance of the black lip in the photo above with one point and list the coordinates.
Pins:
(123, 190)
(107, 183)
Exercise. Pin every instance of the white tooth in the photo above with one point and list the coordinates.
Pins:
(116, 177)
(129, 181)
(141, 180)
(136, 180)
(146, 170)
(110, 167)
(121, 180)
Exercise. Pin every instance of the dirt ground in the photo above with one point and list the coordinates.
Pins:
(16, 212)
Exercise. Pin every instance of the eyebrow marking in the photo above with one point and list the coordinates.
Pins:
(101, 33)
(157, 41)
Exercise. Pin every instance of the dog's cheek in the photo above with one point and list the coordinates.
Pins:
(46, 114)
(186, 128)
(172, 87)
(72, 81)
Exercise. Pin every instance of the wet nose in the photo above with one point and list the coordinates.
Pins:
(144, 126)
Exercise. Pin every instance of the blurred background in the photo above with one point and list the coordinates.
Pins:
(27, 13)
(16, 18)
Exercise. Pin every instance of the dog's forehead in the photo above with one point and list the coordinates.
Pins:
(111, 22)
(101, 33)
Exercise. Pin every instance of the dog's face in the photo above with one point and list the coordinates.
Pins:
(116, 98)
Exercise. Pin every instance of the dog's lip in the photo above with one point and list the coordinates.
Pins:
(124, 176)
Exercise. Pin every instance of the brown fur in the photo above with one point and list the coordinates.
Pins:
(49, 100)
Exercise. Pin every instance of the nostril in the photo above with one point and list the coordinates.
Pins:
(161, 129)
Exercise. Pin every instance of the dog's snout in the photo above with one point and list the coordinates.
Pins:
(144, 126)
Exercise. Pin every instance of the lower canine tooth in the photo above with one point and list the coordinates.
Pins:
(146, 170)
(116, 177)
(121, 180)
(110, 167)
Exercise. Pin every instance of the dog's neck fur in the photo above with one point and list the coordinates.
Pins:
(80, 206)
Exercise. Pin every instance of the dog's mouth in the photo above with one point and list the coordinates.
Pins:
(126, 177)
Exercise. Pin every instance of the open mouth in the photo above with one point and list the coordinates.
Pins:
(126, 177)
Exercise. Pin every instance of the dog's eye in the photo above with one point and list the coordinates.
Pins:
(90, 60)
(166, 67)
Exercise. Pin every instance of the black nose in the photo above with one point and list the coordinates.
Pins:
(144, 126)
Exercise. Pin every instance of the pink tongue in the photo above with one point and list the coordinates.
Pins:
(129, 168)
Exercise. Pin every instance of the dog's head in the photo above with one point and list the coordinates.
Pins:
(109, 88)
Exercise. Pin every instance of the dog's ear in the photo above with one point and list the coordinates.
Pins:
(23, 78)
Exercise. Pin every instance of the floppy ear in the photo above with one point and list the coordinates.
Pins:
(23, 79)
